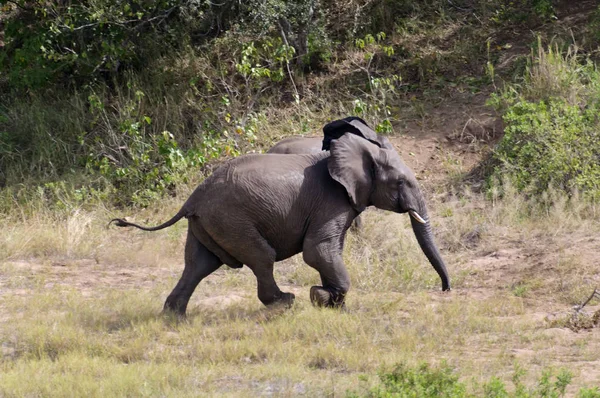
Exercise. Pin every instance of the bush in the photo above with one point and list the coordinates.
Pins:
(552, 126)
(423, 382)
(590, 392)
(131, 146)
(551, 143)
(75, 42)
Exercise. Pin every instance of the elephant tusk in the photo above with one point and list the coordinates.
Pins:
(417, 217)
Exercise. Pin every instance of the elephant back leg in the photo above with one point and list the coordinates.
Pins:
(326, 257)
(199, 263)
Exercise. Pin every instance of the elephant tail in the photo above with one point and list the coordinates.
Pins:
(120, 222)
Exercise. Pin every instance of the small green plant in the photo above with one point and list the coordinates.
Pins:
(593, 392)
(520, 11)
(594, 26)
(548, 386)
(372, 44)
(489, 66)
(264, 61)
(551, 143)
(423, 381)
(521, 289)
(142, 165)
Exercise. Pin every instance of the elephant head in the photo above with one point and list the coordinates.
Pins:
(376, 176)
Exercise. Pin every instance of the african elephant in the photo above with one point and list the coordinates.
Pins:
(356, 125)
(298, 145)
(260, 209)
(301, 145)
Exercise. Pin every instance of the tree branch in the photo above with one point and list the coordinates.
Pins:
(287, 62)
(20, 6)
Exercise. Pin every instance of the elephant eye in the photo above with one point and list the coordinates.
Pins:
(400, 183)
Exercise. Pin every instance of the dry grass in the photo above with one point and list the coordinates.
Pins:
(239, 350)
(80, 306)
(553, 74)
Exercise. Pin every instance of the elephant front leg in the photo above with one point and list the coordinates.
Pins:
(268, 291)
(326, 296)
(260, 260)
(326, 257)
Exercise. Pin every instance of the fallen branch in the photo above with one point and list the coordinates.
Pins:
(595, 294)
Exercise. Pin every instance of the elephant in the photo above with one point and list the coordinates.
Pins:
(258, 209)
(301, 145)
(298, 145)
(356, 125)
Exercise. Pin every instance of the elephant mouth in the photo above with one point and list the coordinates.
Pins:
(417, 217)
(413, 213)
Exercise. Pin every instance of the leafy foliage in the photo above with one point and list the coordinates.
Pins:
(127, 153)
(263, 64)
(552, 127)
(589, 392)
(76, 41)
(404, 381)
(521, 10)
(209, 75)
(422, 381)
(147, 163)
(548, 386)
(381, 89)
(296, 22)
(551, 143)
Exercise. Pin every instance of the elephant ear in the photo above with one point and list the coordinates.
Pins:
(351, 163)
(353, 125)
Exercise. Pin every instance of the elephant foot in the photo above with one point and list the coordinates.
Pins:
(283, 299)
(322, 297)
(174, 307)
(172, 316)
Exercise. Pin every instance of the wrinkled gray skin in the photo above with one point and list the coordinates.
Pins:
(301, 145)
(259, 209)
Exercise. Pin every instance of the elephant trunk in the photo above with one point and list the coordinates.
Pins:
(422, 229)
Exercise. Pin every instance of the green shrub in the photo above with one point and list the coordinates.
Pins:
(422, 382)
(552, 126)
(548, 386)
(141, 162)
(522, 10)
(73, 42)
(127, 148)
(594, 27)
(552, 143)
(589, 392)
